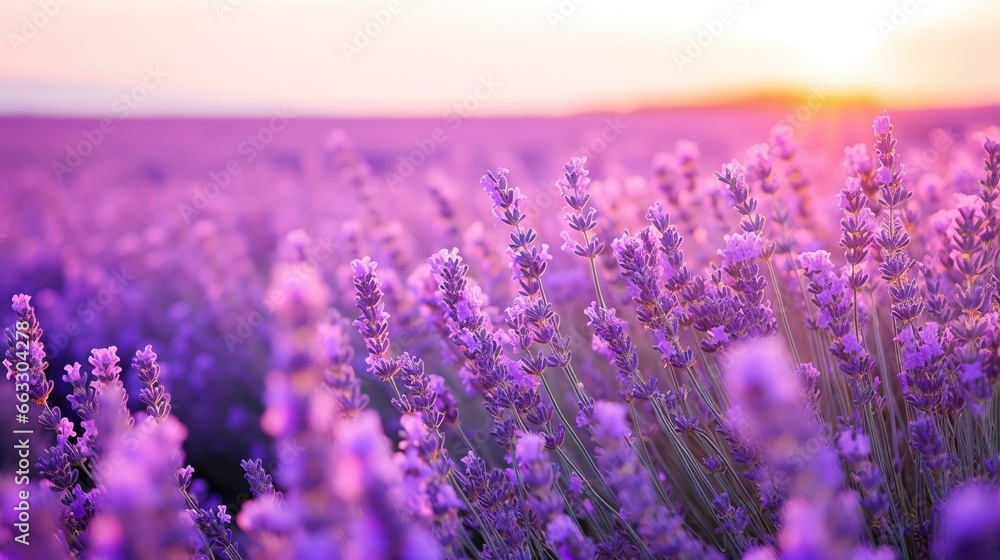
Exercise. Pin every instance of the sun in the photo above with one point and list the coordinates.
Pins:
(835, 50)
(832, 37)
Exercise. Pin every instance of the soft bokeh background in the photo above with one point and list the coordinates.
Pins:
(244, 57)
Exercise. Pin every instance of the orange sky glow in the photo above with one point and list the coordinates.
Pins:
(424, 58)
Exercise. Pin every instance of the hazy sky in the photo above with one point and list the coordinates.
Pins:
(428, 57)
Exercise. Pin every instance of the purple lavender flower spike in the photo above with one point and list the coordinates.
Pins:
(733, 520)
(892, 236)
(738, 196)
(539, 477)
(613, 333)
(754, 315)
(506, 199)
(637, 258)
(258, 479)
(858, 166)
(56, 467)
(662, 530)
(760, 168)
(373, 323)
(858, 229)
(107, 381)
(832, 296)
(32, 352)
(339, 375)
(153, 395)
(925, 439)
(924, 380)
(578, 213)
(972, 253)
(490, 490)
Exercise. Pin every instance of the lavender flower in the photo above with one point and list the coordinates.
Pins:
(506, 386)
(858, 228)
(924, 379)
(613, 333)
(506, 199)
(821, 518)
(156, 399)
(214, 524)
(373, 321)
(738, 196)
(754, 316)
(337, 354)
(55, 466)
(107, 381)
(637, 257)
(859, 167)
(258, 479)
(972, 254)
(662, 531)
(925, 439)
(892, 236)
(539, 477)
(578, 214)
(832, 296)
(24, 346)
(732, 520)
(677, 274)
(490, 490)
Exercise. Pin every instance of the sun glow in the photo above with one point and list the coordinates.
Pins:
(585, 55)
(828, 36)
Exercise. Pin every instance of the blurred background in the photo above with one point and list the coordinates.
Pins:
(552, 57)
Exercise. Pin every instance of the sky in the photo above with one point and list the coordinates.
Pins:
(501, 57)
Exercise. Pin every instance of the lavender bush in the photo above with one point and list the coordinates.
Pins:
(822, 386)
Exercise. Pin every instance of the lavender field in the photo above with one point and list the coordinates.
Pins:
(745, 331)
